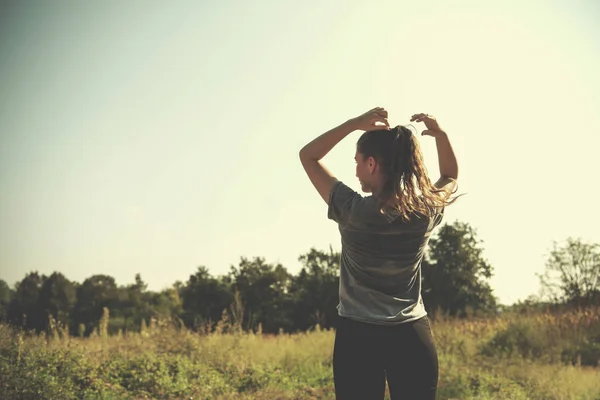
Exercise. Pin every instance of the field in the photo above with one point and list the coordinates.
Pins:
(541, 355)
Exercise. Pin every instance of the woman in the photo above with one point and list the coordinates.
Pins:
(383, 330)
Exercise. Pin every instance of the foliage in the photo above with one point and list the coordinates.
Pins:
(573, 273)
(23, 310)
(314, 292)
(166, 361)
(256, 295)
(94, 294)
(263, 288)
(6, 295)
(455, 274)
(204, 298)
(56, 300)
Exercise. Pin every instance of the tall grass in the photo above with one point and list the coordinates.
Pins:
(515, 356)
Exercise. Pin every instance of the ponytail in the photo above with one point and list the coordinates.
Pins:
(407, 188)
(403, 150)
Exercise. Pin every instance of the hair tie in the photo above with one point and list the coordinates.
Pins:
(406, 131)
(397, 132)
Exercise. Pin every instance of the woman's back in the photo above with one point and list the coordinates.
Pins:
(380, 276)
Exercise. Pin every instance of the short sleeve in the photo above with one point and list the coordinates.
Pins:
(341, 202)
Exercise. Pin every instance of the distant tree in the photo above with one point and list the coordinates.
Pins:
(572, 273)
(93, 294)
(532, 304)
(138, 303)
(264, 293)
(203, 298)
(315, 290)
(133, 306)
(57, 298)
(455, 274)
(23, 309)
(6, 295)
(166, 303)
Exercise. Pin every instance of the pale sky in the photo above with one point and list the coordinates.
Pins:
(154, 138)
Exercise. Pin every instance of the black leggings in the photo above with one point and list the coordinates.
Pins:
(364, 354)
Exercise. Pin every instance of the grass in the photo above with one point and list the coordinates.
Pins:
(537, 356)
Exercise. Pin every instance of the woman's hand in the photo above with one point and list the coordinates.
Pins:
(372, 120)
(433, 128)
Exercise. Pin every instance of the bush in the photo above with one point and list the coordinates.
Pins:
(40, 373)
(583, 353)
(519, 338)
(462, 382)
(163, 376)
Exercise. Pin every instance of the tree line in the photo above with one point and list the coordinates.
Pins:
(266, 296)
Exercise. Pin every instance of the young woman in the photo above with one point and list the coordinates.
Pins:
(383, 330)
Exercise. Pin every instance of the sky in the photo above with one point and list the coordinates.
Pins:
(141, 137)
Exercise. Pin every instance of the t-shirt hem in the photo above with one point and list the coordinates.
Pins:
(382, 322)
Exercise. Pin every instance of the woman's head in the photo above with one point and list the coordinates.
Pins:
(389, 164)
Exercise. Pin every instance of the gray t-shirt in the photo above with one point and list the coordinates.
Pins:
(380, 266)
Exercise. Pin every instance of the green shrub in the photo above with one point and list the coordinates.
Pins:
(40, 373)
(164, 376)
(519, 338)
(583, 353)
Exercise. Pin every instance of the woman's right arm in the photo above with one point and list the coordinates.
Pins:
(446, 158)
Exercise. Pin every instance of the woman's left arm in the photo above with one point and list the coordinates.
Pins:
(313, 152)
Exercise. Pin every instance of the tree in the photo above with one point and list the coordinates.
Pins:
(455, 273)
(95, 293)
(57, 297)
(203, 298)
(133, 306)
(23, 308)
(315, 291)
(165, 304)
(263, 289)
(572, 273)
(6, 295)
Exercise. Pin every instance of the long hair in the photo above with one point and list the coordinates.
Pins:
(407, 187)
